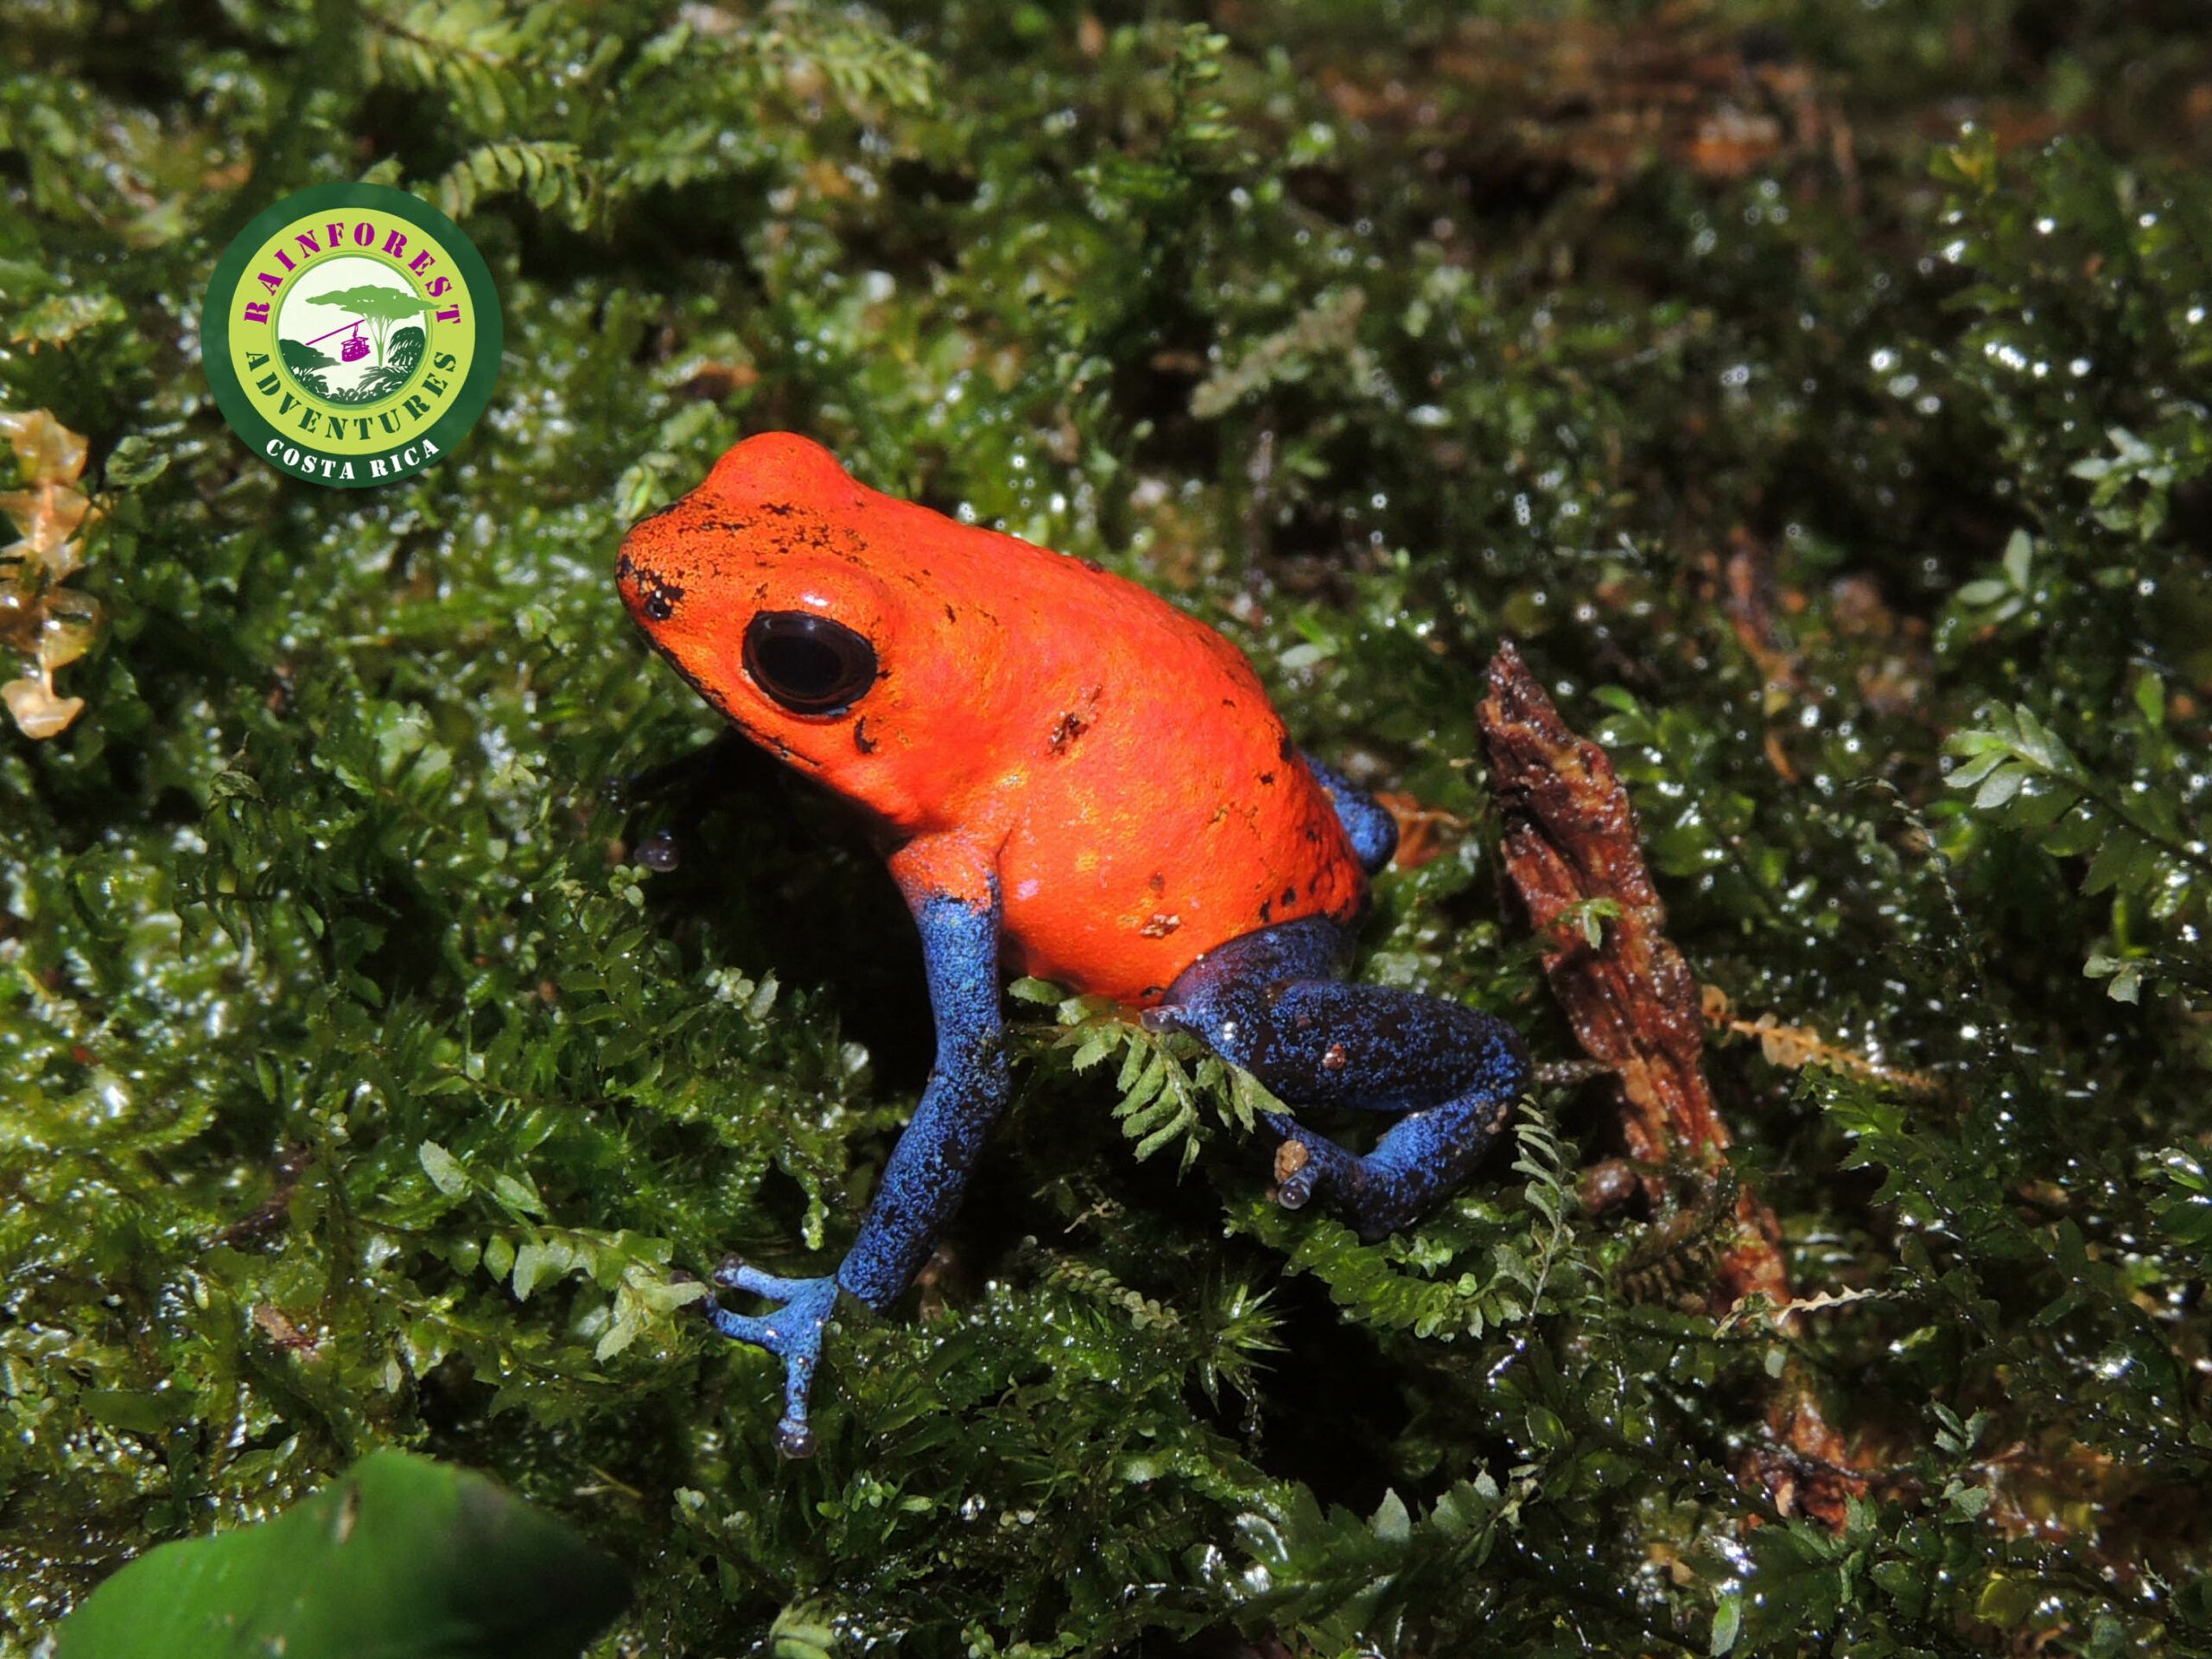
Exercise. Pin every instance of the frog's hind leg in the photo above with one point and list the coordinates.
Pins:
(1270, 1002)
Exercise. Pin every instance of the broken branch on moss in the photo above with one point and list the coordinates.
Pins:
(1570, 845)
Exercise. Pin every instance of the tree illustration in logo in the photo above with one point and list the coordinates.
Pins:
(376, 306)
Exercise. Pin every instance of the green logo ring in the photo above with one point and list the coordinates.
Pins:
(419, 433)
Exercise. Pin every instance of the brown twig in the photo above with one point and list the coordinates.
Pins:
(1571, 844)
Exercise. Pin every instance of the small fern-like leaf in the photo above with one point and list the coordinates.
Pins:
(548, 175)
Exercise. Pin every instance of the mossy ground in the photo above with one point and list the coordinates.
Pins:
(1809, 388)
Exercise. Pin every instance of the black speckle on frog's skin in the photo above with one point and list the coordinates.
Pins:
(657, 512)
(862, 740)
(1068, 728)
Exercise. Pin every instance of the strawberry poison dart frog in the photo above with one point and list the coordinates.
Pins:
(1071, 778)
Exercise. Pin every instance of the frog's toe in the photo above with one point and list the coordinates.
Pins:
(736, 1274)
(791, 1331)
(1296, 1176)
(1306, 1164)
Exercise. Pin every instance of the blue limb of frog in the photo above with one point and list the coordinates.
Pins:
(1372, 830)
(928, 1170)
(1271, 1002)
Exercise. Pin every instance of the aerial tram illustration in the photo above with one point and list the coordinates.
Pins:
(356, 346)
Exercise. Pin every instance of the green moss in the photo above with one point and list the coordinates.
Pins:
(354, 1090)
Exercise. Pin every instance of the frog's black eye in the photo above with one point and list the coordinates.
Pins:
(807, 663)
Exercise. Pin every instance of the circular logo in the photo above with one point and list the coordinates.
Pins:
(351, 335)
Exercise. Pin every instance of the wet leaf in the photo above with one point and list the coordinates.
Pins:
(401, 1558)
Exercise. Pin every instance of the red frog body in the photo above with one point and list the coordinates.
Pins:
(1024, 706)
(1074, 779)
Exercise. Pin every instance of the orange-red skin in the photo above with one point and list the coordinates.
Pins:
(1113, 762)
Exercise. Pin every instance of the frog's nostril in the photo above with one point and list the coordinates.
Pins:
(647, 591)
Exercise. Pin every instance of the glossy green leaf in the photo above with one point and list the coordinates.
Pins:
(400, 1558)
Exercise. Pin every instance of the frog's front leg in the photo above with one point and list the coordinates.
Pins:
(1373, 832)
(1271, 1002)
(954, 903)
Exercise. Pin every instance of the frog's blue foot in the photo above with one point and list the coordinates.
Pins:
(1270, 1003)
(792, 1332)
(1424, 1155)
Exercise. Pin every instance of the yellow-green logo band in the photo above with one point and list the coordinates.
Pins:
(351, 335)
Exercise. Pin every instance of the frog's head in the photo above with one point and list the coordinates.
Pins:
(804, 606)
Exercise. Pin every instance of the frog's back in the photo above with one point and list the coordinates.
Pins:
(1151, 803)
